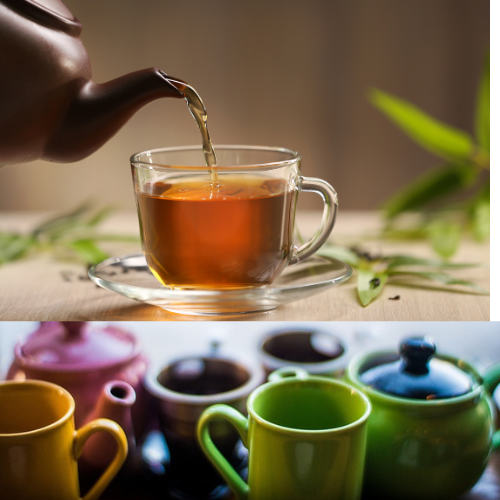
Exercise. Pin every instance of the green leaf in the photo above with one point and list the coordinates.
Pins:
(339, 253)
(367, 289)
(61, 221)
(444, 236)
(481, 220)
(14, 246)
(407, 260)
(428, 187)
(482, 118)
(442, 278)
(75, 223)
(100, 216)
(441, 139)
(88, 251)
(406, 233)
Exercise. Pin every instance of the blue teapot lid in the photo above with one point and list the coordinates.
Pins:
(418, 374)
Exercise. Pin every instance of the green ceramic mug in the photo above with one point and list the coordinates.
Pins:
(306, 437)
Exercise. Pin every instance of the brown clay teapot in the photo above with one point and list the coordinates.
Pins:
(49, 106)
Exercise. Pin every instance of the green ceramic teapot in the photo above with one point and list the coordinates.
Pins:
(432, 428)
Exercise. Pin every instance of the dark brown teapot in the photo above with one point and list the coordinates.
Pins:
(49, 106)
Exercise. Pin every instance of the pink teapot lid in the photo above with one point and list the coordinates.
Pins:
(76, 345)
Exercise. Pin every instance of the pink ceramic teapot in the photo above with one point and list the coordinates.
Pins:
(84, 358)
(49, 106)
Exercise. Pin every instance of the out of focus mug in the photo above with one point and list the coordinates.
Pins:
(183, 389)
(39, 446)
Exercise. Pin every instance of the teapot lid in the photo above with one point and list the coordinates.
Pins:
(57, 7)
(418, 374)
(51, 13)
(76, 345)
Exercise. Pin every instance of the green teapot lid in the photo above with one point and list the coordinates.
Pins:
(418, 374)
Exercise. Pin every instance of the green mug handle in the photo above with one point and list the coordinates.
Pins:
(236, 419)
(288, 372)
(491, 382)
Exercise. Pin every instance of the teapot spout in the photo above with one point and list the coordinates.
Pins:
(100, 110)
(115, 403)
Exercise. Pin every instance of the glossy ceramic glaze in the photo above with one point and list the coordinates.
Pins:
(116, 402)
(418, 374)
(306, 438)
(50, 108)
(82, 358)
(316, 351)
(37, 430)
(425, 449)
(180, 408)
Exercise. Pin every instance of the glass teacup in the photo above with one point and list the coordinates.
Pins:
(228, 228)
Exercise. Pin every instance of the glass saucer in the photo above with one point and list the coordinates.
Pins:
(130, 276)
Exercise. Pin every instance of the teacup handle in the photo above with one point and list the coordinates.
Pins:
(288, 372)
(326, 191)
(491, 382)
(236, 419)
(81, 436)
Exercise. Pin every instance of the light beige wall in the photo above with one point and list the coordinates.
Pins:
(292, 73)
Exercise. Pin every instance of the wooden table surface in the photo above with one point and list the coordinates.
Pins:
(43, 288)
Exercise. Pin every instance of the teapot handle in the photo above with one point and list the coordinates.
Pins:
(81, 436)
(491, 382)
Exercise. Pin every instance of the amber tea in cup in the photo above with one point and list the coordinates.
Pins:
(232, 230)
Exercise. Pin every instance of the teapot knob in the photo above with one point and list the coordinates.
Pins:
(416, 354)
(73, 329)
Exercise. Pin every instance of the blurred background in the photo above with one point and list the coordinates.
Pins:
(476, 342)
(283, 73)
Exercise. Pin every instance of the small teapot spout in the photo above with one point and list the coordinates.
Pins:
(100, 110)
(115, 403)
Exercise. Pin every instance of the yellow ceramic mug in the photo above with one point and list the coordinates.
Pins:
(39, 446)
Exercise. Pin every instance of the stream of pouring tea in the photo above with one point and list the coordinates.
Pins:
(197, 109)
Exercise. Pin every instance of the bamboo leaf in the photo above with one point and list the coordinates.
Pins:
(482, 118)
(481, 220)
(61, 221)
(445, 237)
(441, 139)
(14, 246)
(429, 186)
(72, 224)
(407, 260)
(100, 216)
(88, 251)
(443, 278)
(340, 253)
(370, 284)
(408, 233)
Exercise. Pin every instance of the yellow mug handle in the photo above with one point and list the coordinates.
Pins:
(81, 436)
